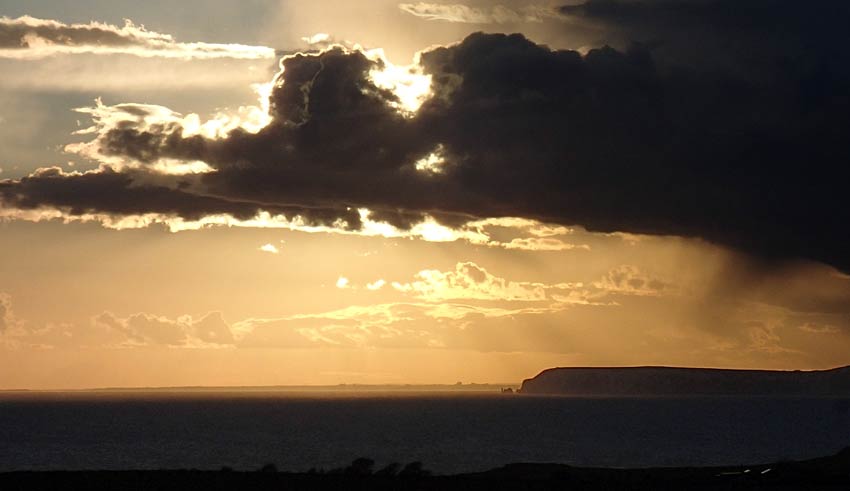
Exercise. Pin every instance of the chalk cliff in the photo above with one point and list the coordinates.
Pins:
(636, 381)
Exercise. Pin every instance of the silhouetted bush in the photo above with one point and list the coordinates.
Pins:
(268, 468)
(414, 469)
(391, 470)
(360, 467)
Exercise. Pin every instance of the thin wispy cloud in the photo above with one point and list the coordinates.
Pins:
(460, 13)
(29, 37)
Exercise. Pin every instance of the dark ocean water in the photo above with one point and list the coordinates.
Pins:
(447, 432)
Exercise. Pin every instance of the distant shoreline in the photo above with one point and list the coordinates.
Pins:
(468, 387)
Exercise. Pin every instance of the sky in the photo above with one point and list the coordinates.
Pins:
(312, 192)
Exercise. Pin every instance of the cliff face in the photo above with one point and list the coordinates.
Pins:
(687, 381)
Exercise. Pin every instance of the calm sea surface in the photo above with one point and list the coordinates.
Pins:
(448, 432)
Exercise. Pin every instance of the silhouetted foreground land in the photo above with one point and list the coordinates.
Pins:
(674, 381)
(823, 473)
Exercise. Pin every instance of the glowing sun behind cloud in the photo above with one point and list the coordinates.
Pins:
(408, 83)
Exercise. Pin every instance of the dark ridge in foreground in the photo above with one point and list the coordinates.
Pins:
(651, 381)
(826, 473)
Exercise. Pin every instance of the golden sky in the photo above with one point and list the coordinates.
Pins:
(123, 290)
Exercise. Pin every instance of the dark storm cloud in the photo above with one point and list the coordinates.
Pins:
(133, 193)
(615, 140)
(755, 35)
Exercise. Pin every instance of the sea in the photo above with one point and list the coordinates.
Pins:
(448, 431)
